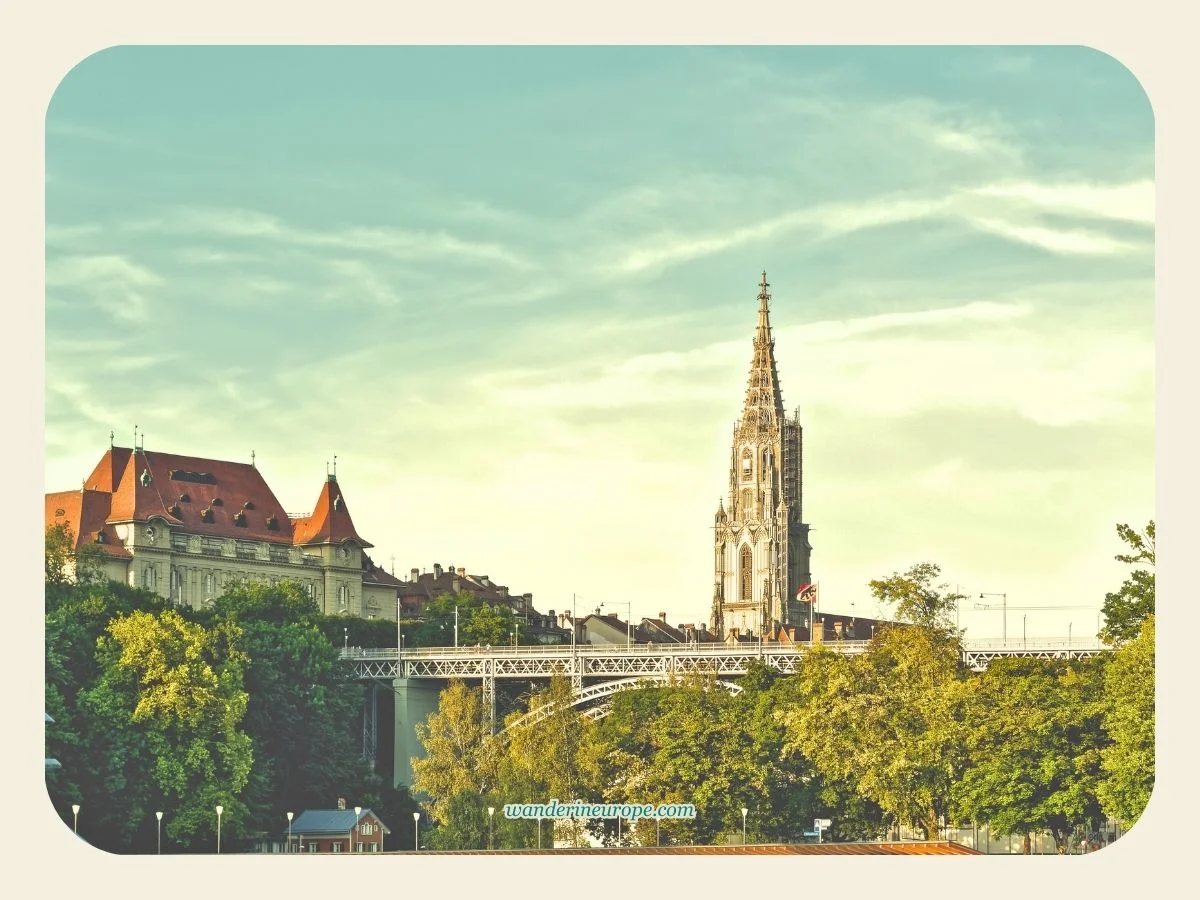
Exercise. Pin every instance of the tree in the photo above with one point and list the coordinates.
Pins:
(460, 752)
(1033, 734)
(302, 712)
(1128, 762)
(1133, 603)
(885, 720)
(917, 599)
(65, 562)
(182, 688)
(107, 764)
(558, 752)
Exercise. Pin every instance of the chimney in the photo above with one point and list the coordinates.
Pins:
(663, 616)
(462, 573)
(341, 802)
(415, 575)
(437, 570)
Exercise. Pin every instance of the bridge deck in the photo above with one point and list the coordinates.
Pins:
(593, 661)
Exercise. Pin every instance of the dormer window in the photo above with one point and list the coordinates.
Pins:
(272, 522)
(174, 510)
(185, 497)
(337, 502)
(240, 520)
(217, 501)
(249, 504)
(145, 478)
(101, 538)
(206, 514)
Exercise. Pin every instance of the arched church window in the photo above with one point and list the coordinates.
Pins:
(747, 575)
(747, 465)
(747, 512)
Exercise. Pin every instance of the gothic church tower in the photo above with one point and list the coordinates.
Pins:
(762, 554)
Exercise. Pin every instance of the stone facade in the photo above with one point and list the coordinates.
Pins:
(761, 548)
(187, 528)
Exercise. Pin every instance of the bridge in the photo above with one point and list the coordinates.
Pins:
(416, 676)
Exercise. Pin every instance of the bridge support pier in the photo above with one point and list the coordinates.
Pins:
(416, 700)
(370, 749)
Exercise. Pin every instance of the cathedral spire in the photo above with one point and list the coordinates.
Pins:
(764, 402)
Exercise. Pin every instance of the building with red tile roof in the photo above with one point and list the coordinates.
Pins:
(421, 587)
(187, 527)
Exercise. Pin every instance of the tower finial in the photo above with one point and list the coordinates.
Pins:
(112, 437)
(252, 465)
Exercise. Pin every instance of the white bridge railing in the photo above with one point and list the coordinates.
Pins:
(594, 660)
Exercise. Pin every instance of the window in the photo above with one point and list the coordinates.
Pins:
(336, 847)
(366, 828)
(149, 579)
(310, 590)
(176, 584)
(746, 509)
(313, 846)
(210, 585)
(747, 465)
(747, 573)
(343, 596)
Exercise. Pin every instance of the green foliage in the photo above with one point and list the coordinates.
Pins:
(885, 720)
(242, 704)
(460, 755)
(1032, 730)
(1127, 608)
(1128, 762)
(478, 622)
(917, 599)
(65, 563)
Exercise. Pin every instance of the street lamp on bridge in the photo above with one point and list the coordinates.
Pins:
(628, 616)
(1004, 608)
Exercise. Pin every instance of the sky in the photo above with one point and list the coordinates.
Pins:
(513, 290)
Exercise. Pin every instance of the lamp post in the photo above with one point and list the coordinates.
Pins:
(539, 832)
(357, 813)
(75, 811)
(1004, 615)
(657, 831)
(158, 815)
(398, 645)
(628, 615)
(416, 831)
(289, 847)
(491, 812)
(456, 625)
(1024, 616)
(744, 811)
(220, 809)
(618, 830)
(346, 640)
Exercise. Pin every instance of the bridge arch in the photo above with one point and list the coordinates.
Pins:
(604, 691)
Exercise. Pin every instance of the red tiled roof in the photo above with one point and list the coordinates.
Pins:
(884, 848)
(86, 512)
(205, 496)
(330, 522)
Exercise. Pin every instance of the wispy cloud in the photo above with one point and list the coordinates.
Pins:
(113, 282)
